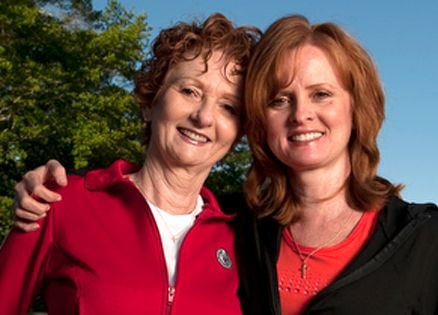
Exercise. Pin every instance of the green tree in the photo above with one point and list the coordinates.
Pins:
(228, 175)
(65, 78)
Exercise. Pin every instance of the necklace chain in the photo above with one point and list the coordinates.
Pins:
(173, 236)
(304, 258)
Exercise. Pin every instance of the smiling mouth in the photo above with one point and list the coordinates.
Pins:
(306, 136)
(193, 136)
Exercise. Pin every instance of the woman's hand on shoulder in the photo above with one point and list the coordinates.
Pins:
(32, 198)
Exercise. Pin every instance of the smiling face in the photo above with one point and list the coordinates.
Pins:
(309, 121)
(196, 116)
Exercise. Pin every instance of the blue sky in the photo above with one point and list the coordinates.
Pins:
(402, 38)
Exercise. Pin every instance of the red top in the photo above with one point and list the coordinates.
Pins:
(323, 267)
(98, 251)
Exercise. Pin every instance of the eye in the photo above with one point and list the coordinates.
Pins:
(189, 91)
(280, 101)
(231, 109)
(321, 95)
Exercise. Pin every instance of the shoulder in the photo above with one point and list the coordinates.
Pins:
(75, 184)
(426, 215)
(97, 180)
(425, 235)
(72, 203)
(427, 212)
(422, 217)
(398, 210)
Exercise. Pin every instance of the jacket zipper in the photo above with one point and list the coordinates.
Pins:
(172, 289)
(170, 296)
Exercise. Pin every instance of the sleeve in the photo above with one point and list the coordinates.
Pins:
(23, 257)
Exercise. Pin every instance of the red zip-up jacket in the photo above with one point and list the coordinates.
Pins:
(98, 251)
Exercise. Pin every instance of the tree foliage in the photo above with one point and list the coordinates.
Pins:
(65, 73)
(228, 175)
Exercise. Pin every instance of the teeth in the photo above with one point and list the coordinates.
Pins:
(193, 136)
(307, 136)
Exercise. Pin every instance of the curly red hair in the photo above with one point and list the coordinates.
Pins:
(187, 41)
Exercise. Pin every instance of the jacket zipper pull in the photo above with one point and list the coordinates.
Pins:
(170, 295)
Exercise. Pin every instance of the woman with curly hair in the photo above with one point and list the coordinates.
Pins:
(149, 239)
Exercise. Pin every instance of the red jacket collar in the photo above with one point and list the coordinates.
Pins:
(100, 179)
(103, 178)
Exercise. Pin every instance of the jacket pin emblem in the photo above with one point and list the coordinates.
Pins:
(223, 258)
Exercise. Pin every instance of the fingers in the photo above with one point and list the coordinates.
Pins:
(44, 195)
(21, 214)
(26, 200)
(32, 197)
(26, 226)
(28, 211)
(57, 172)
(33, 179)
(33, 182)
(28, 208)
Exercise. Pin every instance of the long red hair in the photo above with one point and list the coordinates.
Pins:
(268, 188)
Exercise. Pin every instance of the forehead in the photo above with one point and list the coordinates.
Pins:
(217, 67)
(308, 63)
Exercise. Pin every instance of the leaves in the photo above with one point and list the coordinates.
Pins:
(229, 174)
(65, 73)
(5, 216)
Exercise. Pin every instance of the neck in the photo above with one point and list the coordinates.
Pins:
(318, 188)
(170, 189)
(325, 211)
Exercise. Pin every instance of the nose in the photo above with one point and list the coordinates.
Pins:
(203, 115)
(301, 111)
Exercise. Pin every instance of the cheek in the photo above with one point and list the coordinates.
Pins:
(274, 126)
(171, 105)
(340, 115)
(274, 137)
(343, 123)
(347, 120)
(229, 130)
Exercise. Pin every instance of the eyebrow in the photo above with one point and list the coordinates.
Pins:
(235, 97)
(183, 78)
(315, 85)
(286, 89)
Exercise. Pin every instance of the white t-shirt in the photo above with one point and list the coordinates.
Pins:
(173, 228)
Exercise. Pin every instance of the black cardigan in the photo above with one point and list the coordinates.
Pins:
(395, 273)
